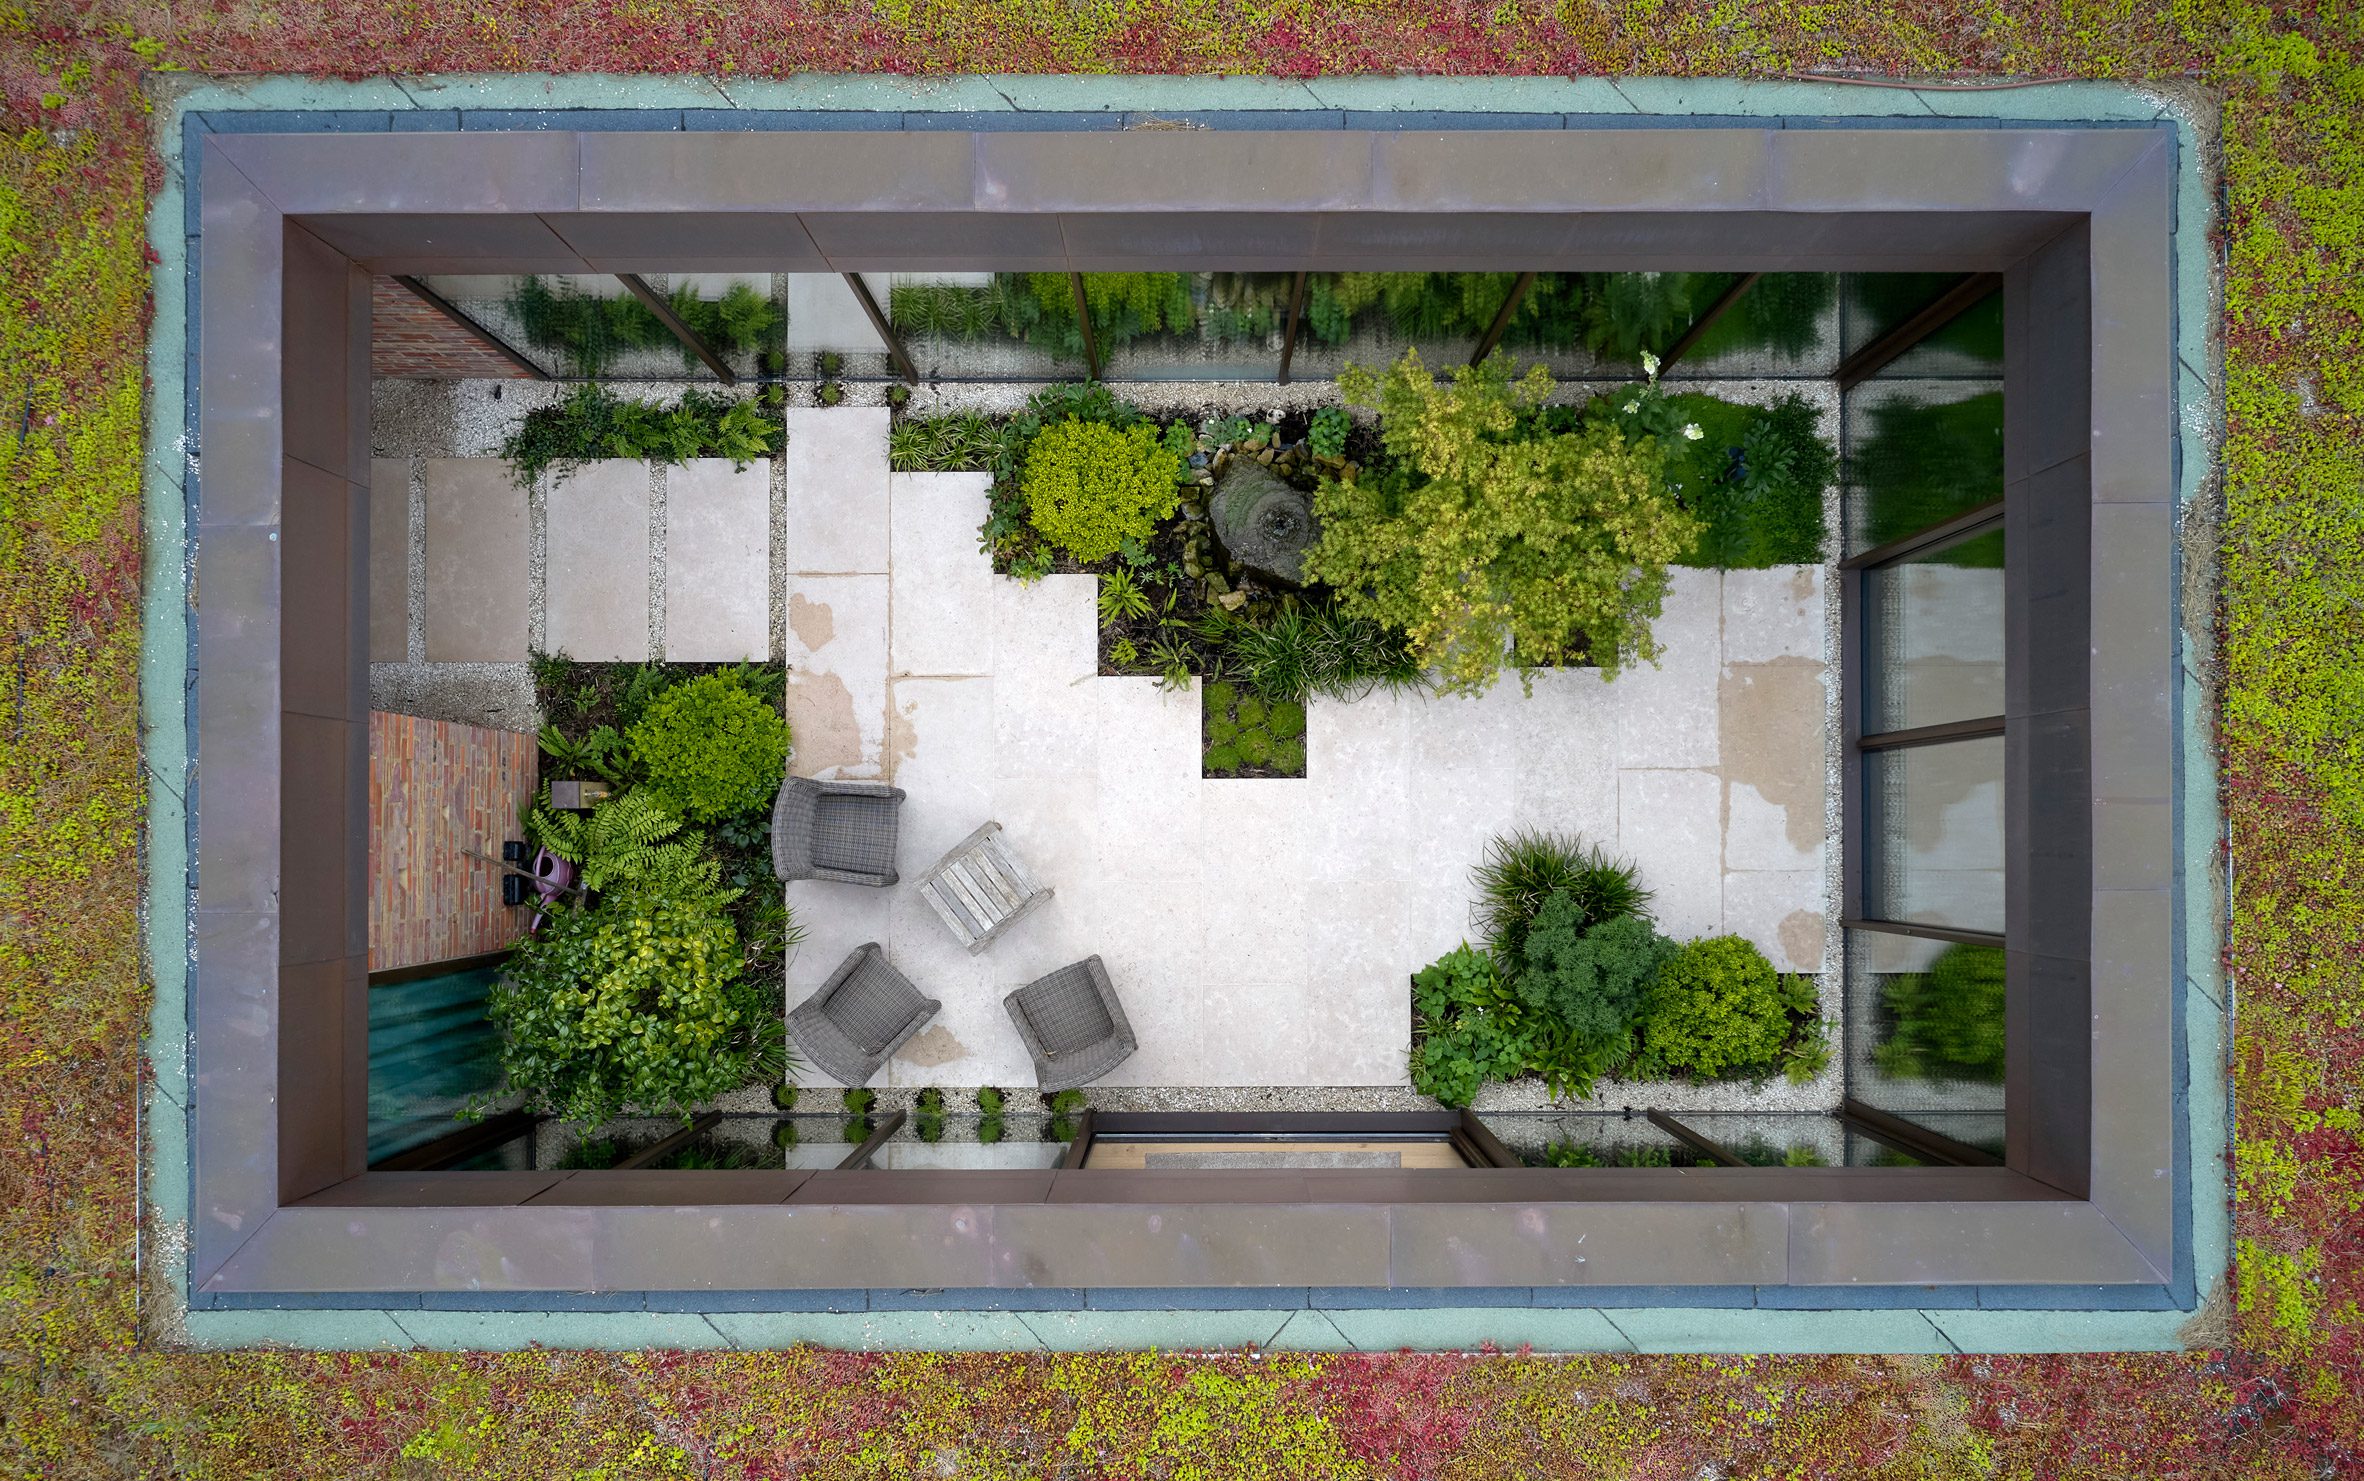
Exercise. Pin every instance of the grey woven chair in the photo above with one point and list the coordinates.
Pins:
(1072, 1024)
(860, 1016)
(843, 831)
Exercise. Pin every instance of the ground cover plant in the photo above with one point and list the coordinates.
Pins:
(92, 1382)
(1574, 982)
(1249, 735)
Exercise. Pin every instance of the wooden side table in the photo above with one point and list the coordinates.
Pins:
(980, 888)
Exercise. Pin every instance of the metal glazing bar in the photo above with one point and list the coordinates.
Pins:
(1482, 1138)
(1706, 1146)
(1930, 735)
(1707, 317)
(1969, 522)
(1079, 1150)
(1924, 933)
(1296, 318)
(861, 1155)
(1495, 330)
(1083, 319)
(886, 330)
(1920, 1141)
(482, 335)
(655, 303)
(1939, 312)
(659, 1151)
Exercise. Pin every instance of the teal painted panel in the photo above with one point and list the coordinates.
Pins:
(431, 1049)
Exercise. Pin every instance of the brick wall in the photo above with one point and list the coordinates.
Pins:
(411, 341)
(436, 788)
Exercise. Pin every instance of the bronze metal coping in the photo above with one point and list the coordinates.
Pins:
(291, 226)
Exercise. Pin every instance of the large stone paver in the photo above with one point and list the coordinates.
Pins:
(837, 675)
(1666, 714)
(389, 560)
(596, 547)
(476, 562)
(837, 490)
(718, 561)
(1670, 823)
(942, 587)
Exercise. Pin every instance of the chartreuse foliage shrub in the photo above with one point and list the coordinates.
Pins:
(1550, 547)
(637, 1002)
(710, 748)
(1090, 487)
(1717, 1007)
(1947, 1022)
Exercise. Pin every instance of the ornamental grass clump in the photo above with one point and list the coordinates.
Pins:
(1492, 535)
(1523, 870)
(1090, 487)
(710, 748)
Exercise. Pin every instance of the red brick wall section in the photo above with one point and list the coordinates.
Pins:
(410, 340)
(436, 788)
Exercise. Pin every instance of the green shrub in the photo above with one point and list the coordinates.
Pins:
(592, 423)
(1090, 487)
(1285, 719)
(858, 1100)
(1471, 1029)
(637, 1004)
(1223, 760)
(1946, 1023)
(1219, 695)
(1523, 870)
(1326, 437)
(1589, 983)
(629, 838)
(1552, 547)
(990, 1100)
(1222, 730)
(1289, 756)
(1756, 477)
(1254, 747)
(710, 748)
(1717, 1008)
(1249, 711)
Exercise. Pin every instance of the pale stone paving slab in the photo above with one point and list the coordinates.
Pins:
(596, 539)
(1670, 823)
(476, 562)
(941, 583)
(1780, 913)
(389, 560)
(837, 490)
(1666, 715)
(837, 675)
(1773, 614)
(718, 561)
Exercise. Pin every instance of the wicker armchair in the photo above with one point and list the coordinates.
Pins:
(860, 1016)
(843, 831)
(1072, 1024)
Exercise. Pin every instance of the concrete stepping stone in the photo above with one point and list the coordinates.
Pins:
(718, 561)
(942, 584)
(596, 544)
(476, 562)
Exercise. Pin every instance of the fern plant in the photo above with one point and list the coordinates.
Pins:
(628, 838)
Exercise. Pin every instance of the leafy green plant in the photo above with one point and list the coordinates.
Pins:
(1241, 732)
(1589, 983)
(1717, 1008)
(785, 1134)
(1121, 598)
(1756, 477)
(588, 331)
(710, 748)
(1471, 1029)
(601, 753)
(1285, 719)
(784, 1097)
(630, 838)
(1945, 1023)
(1089, 486)
(636, 1003)
(1326, 436)
(1064, 1102)
(927, 1115)
(991, 1099)
(829, 393)
(594, 423)
(1552, 547)
(858, 1100)
(962, 442)
(990, 1129)
(1522, 871)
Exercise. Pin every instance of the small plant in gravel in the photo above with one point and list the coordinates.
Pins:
(859, 1100)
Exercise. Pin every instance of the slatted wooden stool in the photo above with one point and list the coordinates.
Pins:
(980, 888)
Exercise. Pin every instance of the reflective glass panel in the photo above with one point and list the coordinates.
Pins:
(1933, 834)
(1933, 636)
